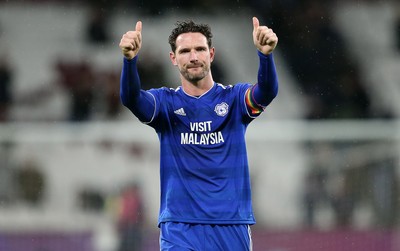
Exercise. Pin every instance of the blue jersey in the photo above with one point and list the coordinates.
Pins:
(204, 171)
(204, 168)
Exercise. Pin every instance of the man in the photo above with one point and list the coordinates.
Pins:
(205, 184)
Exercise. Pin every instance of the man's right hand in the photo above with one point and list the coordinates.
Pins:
(131, 42)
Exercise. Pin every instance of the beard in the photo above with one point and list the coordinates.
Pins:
(196, 76)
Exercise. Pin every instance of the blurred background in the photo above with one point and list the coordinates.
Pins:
(79, 172)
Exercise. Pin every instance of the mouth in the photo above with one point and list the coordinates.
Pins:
(194, 66)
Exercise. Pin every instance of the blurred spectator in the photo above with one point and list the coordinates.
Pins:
(339, 178)
(6, 81)
(112, 99)
(315, 190)
(385, 193)
(342, 199)
(314, 194)
(78, 80)
(31, 183)
(7, 186)
(348, 182)
(91, 199)
(97, 30)
(130, 218)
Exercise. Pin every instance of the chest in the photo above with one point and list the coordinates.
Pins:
(201, 116)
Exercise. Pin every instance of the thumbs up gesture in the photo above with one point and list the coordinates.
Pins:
(131, 42)
(264, 38)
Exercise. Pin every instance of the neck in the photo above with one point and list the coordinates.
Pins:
(197, 88)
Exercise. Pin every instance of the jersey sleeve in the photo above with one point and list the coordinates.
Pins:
(140, 102)
(260, 95)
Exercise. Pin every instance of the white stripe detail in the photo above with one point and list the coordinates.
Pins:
(251, 241)
(155, 108)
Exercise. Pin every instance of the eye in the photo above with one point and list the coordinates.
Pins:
(184, 51)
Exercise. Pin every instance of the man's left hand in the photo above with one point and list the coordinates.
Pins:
(264, 38)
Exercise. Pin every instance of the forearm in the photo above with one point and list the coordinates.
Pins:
(266, 88)
(140, 102)
(129, 83)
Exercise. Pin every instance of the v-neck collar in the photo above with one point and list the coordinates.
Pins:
(197, 97)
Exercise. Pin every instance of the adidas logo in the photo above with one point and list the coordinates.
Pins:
(180, 111)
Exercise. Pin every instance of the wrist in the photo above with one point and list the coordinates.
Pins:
(261, 54)
(130, 60)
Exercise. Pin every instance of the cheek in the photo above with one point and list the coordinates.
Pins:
(178, 63)
(206, 58)
(181, 61)
(177, 60)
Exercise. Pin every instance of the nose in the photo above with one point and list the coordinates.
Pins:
(193, 56)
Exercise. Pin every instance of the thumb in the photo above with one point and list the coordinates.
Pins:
(138, 26)
(256, 23)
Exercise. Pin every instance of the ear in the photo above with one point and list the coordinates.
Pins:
(173, 58)
(212, 54)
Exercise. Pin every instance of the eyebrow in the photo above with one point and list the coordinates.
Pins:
(196, 48)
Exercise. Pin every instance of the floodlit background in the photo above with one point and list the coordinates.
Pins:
(76, 167)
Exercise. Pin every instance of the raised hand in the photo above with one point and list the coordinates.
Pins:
(264, 38)
(131, 42)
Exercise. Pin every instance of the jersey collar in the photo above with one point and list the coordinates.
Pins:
(197, 97)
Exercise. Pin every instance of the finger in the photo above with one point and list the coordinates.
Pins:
(264, 39)
(126, 45)
(261, 33)
(133, 35)
(136, 42)
(130, 34)
(256, 23)
(138, 26)
(272, 40)
(124, 42)
(270, 33)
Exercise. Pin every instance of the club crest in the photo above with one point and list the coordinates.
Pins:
(221, 109)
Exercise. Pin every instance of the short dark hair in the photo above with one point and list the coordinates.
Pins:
(186, 27)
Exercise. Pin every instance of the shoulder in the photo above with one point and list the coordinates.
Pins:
(236, 88)
(167, 91)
